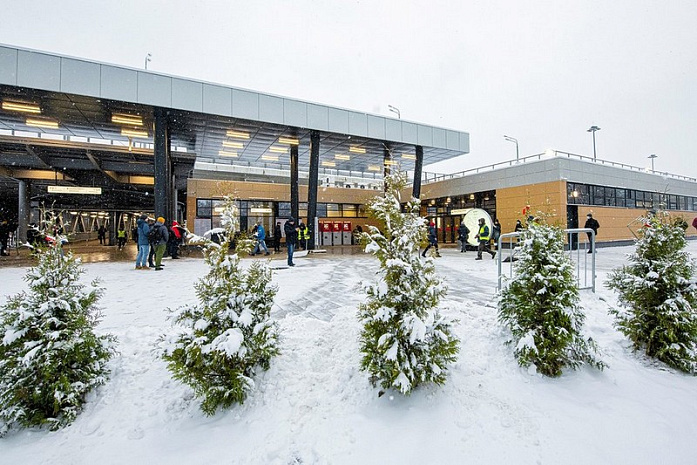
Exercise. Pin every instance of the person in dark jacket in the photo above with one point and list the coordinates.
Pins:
(143, 245)
(432, 239)
(101, 235)
(463, 235)
(591, 223)
(291, 231)
(175, 239)
(277, 238)
(496, 232)
(5, 229)
(160, 240)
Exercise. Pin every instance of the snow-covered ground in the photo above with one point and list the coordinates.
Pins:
(314, 406)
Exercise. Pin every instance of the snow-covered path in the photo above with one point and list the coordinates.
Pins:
(315, 406)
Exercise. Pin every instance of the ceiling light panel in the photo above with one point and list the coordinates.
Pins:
(224, 153)
(269, 157)
(234, 145)
(278, 150)
(237, 134)
(132, 120)
(134, 133)
(42, 123)
(23, 107)
(357, 149)
(288, 140)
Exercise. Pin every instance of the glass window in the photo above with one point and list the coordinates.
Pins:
(321, 210)
(362, 211)
(333, 210)
(349, 210)
(203, 208)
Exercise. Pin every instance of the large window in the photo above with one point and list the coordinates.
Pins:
(584, 194)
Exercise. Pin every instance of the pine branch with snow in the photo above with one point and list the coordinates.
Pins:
(405, 341)
(658, 295)
(50, 355)
(540, 305)
(220, 344)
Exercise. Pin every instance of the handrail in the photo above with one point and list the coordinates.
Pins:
(581, 257)
(435, 177)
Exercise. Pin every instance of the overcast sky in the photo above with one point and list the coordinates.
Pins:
(540, 71)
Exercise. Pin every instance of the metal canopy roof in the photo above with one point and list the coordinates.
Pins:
(208, 122)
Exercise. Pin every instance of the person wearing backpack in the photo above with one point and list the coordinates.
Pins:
(143, 230)
(159, 236)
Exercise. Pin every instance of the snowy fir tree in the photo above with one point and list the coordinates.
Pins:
(658, 295)
(50, 355)
(221, 343)
(540, 304)
(405, 341)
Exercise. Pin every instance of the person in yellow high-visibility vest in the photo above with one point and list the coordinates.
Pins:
(483, 238)
(303, 235)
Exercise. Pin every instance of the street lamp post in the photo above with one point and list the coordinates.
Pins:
(515, 141)
(147, 60)
(653, 156)
(593, 129)
(395, 110)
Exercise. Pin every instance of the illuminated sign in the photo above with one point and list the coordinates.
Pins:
(74, 190)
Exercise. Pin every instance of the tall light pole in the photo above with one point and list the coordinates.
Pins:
(147, 60)
(394, 110)
(593, 129)
(515, 141)
(653, 156)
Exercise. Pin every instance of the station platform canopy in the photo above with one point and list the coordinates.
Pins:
(72, 121)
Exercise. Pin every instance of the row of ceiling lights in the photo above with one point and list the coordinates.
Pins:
(137, 122)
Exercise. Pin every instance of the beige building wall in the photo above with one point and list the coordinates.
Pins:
(547, 197)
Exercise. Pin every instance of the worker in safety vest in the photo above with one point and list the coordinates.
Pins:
(303, 235)
(483, 238)
(121, 237)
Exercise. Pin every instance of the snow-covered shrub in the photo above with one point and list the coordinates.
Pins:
(50, 356)
(658, 295)
(540, 305)
(219, 344)
(405, 341)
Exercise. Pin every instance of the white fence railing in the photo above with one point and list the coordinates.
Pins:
(580, 246)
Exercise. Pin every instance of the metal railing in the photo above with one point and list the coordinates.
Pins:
(579, 252)
(435, 177)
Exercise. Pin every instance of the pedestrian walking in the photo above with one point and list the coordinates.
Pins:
(291, 232)
(101, 234)
(591, 223)
(463, 235)
(277, 238)
(121, 238)
(496, 232)
(260, 236)
(143, 230)
(432, 239)
(159, 236)
(151, 254)
(483, 238)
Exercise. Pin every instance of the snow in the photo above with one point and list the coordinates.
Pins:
(315, 406)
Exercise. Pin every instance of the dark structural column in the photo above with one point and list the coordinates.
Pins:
(113, 227)
(418, 166)
(387, 156)
(163, 166)
(312, 188)
(294, 207)
(23, 210)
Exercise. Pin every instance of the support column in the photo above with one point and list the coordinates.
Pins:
(113, 227)
(312, 189)
(294, 202)
(162, 165)
(418, 166)
(387, 168)
(23, 211)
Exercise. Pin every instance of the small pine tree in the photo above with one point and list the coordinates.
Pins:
(50, 356)
(405, 341)
(540, 305)
(658, 295)
(222, 341)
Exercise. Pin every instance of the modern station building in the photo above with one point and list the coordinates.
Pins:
(103, 143)
(564, 186)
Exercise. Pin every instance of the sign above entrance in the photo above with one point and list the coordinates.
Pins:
(74, 190)
(261, 210)
(459, 211)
